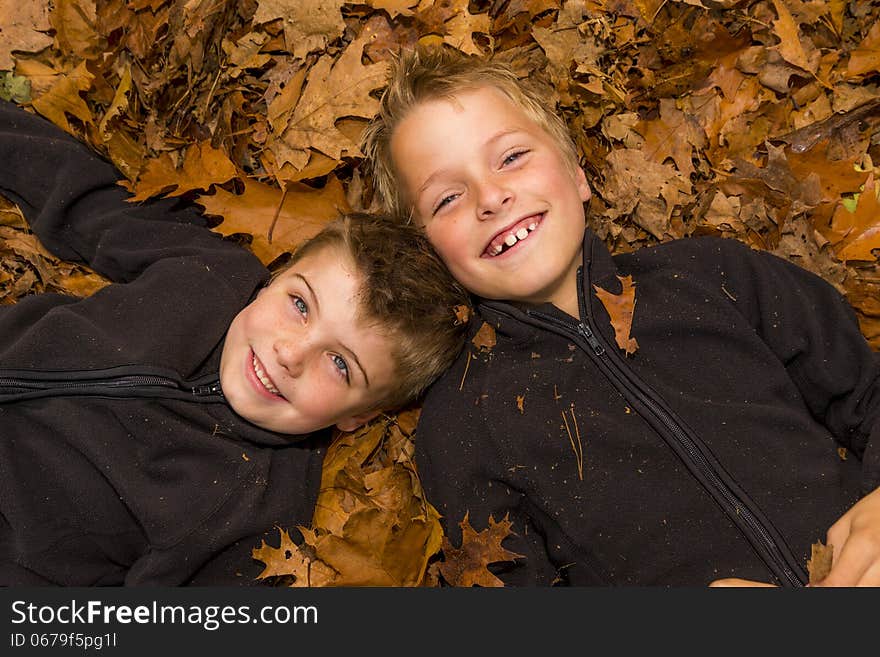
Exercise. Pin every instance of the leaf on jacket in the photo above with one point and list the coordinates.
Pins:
(620, 309)
(484, 340)
(819, 563)
(468, 565)
(288, 559)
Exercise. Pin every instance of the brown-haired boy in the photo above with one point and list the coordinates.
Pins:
(710, 452)
(154, 431)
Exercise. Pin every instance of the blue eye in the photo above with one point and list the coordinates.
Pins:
(341, 365)
(445, 201)
(300, 305)
(513, 157)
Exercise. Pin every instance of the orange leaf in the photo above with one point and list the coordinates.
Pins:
(620, 308)
(485, 337)
(277, 220)
(819, 563)
(468, 565)
(203, 166)
(860, 229)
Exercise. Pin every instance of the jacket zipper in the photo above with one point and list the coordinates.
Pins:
(782, 565)
(21, 384)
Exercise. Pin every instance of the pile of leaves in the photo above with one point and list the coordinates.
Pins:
(753, 119)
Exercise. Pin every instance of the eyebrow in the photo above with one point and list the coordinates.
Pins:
(344, 347)
(491, 140)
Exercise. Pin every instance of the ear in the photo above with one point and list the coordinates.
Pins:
(356, 421)
(582, 184)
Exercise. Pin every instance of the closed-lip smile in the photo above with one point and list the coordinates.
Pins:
(516, 232)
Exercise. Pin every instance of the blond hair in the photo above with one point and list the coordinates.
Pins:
(425, 74)
(406, 292)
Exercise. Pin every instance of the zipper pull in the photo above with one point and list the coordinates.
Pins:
(585, 331)
(210, 389)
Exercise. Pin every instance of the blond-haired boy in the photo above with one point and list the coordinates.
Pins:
(710, 452)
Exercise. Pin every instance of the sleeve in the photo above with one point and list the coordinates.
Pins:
(457, 468)
(71, 200)
(814, 332)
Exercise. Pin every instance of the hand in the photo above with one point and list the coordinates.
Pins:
(856, 540)
(736, 582)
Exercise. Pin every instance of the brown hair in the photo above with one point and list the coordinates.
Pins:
(406, 293)
(425, 74)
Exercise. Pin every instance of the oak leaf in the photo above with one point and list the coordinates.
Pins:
(334, 89)
(63, 98)
(620, 308)
(203, 166)
(279, 221)
(468, 564)
(289, 559)
(309, 25)
(859, 231)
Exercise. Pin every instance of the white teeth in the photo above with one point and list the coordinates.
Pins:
(496, 250)
(532, 227)
(264, 378)
(522, 233)
(510, 240)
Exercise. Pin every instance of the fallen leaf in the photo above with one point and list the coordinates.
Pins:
(277, 220)
(468, 564)
(484, 340)
(620, 308)
(819, 563)
(25, 29)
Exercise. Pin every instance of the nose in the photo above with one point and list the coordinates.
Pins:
(292, 355)
(494, 196)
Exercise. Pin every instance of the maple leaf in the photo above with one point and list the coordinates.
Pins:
(859, 231)
(25, 29)
(819, 563)
(278, 220)
(468, 564)
(334, 89)
(620, 308)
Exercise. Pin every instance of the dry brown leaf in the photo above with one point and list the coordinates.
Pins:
(335, 88)
(819, 563)
(277, 220)
(25, 28)
(309, 25)
(63, 98)
(484, 340)
(468, 564)
(620, 308)
(203, 166)
(859, 231)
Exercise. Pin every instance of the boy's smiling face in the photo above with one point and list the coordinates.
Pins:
(298, 359)
(498, 200)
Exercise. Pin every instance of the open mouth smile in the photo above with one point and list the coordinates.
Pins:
(512, 235)
(263, 378)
